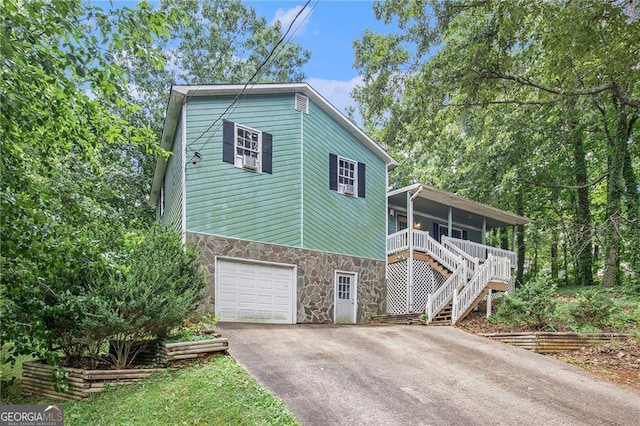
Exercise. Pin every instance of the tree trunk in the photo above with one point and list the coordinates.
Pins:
(615, 189)
(504, 239)
(554, 255)
(632, 197)
(584, 240)
(520, 237)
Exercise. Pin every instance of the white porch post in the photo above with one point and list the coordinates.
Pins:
(489, 304)
(410, 264)
(484, 230)
(513, 237)
(450, 222)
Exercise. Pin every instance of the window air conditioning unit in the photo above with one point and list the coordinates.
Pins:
(343, 188)
(249, 162)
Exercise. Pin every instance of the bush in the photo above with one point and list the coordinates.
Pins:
(593, 308)
(532, 305)
(144, 293)
(94, 289)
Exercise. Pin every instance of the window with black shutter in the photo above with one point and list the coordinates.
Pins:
(347, 176)
(247, 148)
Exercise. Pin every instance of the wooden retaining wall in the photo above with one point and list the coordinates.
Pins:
(548, 342)
(36, 379)
(192, 350)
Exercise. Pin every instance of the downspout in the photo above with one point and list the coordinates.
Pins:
(301, 179)
(410, 266)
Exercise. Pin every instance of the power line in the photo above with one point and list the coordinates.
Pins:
(280, 51)
(217, 120)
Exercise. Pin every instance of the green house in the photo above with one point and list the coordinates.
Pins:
(285, 197)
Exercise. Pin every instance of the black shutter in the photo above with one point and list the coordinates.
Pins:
(228, 142)
(465, 235)
(267, 152)
(333, 172)
(436, 231)
(362, 178)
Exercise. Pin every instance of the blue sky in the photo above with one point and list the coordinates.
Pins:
(328, 32)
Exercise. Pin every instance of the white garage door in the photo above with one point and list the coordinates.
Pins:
(254, 292)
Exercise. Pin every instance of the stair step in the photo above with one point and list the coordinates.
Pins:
(407, 319)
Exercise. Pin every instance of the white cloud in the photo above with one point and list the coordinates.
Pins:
(337, 92)
(286, 16)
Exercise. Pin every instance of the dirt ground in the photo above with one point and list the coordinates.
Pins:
(617, 362)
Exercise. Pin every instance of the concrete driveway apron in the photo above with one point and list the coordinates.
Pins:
(415, 375)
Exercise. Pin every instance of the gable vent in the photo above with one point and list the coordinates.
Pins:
(302, 103)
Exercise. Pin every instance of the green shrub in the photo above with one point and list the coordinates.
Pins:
(143, 294)
(89, 292)
(532, 305)
(592, 310)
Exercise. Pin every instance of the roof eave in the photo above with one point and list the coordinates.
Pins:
(174, 107)
(456, 201)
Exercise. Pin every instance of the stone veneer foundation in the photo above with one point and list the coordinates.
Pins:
(315, 280)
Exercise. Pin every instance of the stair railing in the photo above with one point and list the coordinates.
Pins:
(471, 262)
(444, 294)
(424, 242)
(494, 269)
(462, 300)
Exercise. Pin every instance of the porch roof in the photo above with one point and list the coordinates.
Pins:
(435, 202)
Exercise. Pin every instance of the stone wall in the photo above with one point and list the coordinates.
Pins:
(315, 280)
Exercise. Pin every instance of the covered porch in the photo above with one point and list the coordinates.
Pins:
(443, 214)
(437, 248)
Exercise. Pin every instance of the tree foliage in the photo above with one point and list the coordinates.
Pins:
(76, 148)
(212, 42)
(65, 130)
(530, 105)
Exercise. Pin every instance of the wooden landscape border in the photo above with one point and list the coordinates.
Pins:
(37, 377)
(192, 350)
(550, 342)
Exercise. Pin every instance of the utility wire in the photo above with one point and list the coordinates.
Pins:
(279, 52)
(264, 62)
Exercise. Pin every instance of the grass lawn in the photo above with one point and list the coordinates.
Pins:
(217, 392)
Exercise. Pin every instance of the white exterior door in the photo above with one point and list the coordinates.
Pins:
(345, 298)
(255, 292)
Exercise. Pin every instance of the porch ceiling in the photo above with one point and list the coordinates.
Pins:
(435, 202)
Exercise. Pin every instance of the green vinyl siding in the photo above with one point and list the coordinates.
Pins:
(173, 184)
(335, 222)
(225, 200)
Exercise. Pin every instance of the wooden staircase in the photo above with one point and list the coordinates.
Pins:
(443, 317)
(467, 280)
(418, 255)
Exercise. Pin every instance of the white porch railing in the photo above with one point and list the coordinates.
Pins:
(472, 263)
(443, 295)
(480, 251)
(398, 242)
(493, 269)
(423, 242)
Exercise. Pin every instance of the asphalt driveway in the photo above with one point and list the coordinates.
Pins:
(414, 375)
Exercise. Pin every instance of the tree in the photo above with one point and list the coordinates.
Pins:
(557, 94)
(64, 121)
(211, 42)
